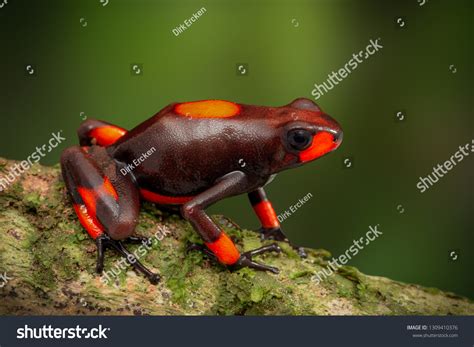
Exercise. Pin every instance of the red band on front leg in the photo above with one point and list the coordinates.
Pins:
(224, 249)
(266, 214)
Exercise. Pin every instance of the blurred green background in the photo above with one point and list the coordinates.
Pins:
(82, 54)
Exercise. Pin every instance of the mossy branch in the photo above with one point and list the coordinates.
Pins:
(47, 266)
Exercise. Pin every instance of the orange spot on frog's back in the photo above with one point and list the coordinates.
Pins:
(207, 109)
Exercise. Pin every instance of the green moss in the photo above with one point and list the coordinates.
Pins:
(432, 290)
(175, 272)
(55, 256)
(52, 260)
(299, 274)
(318, 253)
(250, 241)
(12, 195)
(289, 251)
(351, 273)
(252, 293)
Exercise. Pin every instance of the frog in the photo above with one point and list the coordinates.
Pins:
(189, 156)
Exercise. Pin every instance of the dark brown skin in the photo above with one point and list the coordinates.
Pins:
(201, 152)
(192, 153)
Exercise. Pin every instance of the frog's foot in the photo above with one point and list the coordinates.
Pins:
(245, 259)
(265, 212)
(272, 234)
(135, 240)
(278, 235)
(104, 241)
(201, 248)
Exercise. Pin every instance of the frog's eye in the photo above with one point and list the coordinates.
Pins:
(299, 139)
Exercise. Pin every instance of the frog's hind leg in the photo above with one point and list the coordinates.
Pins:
(106, 202)
(219, 245)
(96, 132)
(265, 212)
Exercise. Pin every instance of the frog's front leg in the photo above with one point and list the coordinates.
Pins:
(221, 246)
(265, 212)
(106, 202)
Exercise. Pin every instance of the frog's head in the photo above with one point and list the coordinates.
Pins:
(306, 133)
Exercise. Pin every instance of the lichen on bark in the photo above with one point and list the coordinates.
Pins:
(49, 261)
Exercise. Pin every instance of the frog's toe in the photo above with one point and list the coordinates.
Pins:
(275, 234)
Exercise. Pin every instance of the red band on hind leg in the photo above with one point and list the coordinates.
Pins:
(89, 198)
(224, 249)
(266, 214)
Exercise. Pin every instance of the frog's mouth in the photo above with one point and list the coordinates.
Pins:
(323, 143)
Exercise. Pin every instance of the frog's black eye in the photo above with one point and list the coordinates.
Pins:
(299, 139)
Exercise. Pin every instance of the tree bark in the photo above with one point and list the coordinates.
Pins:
(47, 266)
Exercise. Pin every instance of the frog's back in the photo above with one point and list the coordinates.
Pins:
(194, 144)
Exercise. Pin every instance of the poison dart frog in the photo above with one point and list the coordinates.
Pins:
(191, 154)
